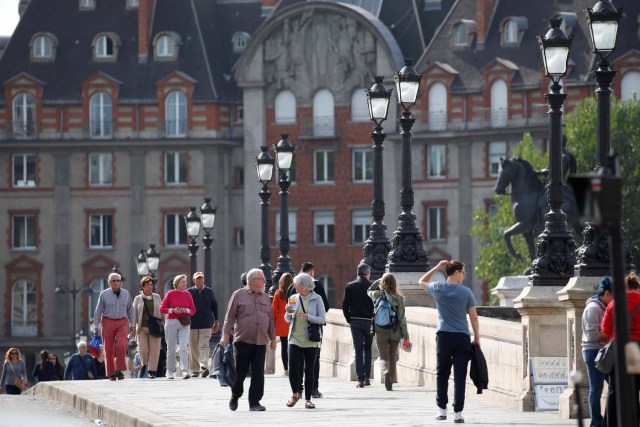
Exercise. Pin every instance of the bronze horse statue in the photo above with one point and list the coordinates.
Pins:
(529, 202)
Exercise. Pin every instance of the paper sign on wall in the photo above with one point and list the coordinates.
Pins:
(549, 380)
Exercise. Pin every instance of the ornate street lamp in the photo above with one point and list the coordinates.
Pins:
(62, 290)
(407, 253)
(264, 169)
(555, 258)
(284, 157)
(593, 255)
(147, 262)
(377, 245)
(208, 217)
(193, 229)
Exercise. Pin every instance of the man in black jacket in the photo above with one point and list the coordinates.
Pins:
(358, 311)
(203, 324)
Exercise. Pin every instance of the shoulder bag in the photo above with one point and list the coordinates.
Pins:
(87, 370)
(606, 357)
(156, 327)
(18, 381)
(314, 329)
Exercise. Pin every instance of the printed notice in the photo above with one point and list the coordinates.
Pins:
(549, 380)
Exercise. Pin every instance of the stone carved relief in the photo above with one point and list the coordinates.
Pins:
(316, 49)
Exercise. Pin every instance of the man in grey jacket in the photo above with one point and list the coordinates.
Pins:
(591, 321)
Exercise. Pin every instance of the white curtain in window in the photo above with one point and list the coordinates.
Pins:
(24, 309)
(24, 115)
(285, 105)
(101, 115)
(437, 107)
(176, 114)
(323, 114)
(499, 104)
(359, 106)
(630, 86)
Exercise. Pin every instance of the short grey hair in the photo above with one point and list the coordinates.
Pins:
(82, 343)
(253, 273)
(304, 281)
(112, 275)
(363, 269)
(177, 279)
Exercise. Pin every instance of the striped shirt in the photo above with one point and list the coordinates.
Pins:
(113, 306)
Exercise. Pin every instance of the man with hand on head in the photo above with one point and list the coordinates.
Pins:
(250, 321)
(453, 301)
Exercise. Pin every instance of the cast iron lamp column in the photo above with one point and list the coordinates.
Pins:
(407, 253)
(208, 218)
(193, 229)
(593, 255)
(555, 258)
(377, 245)
(61, 290)
(264, 168)
(284, 157)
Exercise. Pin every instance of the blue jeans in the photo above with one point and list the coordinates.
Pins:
(362, 340)
(596, 384)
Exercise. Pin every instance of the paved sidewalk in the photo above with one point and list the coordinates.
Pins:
(202, 402)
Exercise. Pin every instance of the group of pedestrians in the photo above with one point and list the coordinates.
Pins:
(14, 380)
(597, 331)
(189, 317)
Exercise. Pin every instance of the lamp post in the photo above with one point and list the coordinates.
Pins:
(208, 216)
(593, 255)
(61, 290)
(284, 157)
(264, 168)
(407, 253)
(147, 262)
(377, 245)
(193, 229)
(555, 257)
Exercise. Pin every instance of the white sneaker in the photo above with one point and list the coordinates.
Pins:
(169, 375)
(457, 417)
(442, 414)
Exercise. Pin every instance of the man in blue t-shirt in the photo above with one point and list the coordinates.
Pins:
(453, 302)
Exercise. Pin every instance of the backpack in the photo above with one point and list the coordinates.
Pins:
(384, 314)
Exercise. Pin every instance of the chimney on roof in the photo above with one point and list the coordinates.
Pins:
(269, 3)
(145, 15)
(484, 14)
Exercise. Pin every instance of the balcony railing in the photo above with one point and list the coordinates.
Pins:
(437, 120)
(24, 329)
(101, 129)
(498, 117)
(23, 129)
(173, 128)
(319, 127)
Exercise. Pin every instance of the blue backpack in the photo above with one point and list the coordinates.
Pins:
(384, 315)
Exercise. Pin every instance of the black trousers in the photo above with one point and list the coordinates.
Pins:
(249, 356)
(611, 410)
(284, 352)
(300, 357)
(452, 349)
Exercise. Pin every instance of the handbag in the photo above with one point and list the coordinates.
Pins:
(156, 327)
(17, 381)
(87, 370)
(185, 320)
(606, 357)
(314, 330)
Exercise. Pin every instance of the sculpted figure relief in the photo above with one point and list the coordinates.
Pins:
(318, 49)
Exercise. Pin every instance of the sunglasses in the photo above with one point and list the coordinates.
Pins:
(116, 281)
(13, 352)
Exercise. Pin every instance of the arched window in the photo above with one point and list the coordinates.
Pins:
(96, 286)
(42, 48)
(630, 86)
(437, 107)
(460, 35)
(499, 106)
(168, 285)
(176, 114)
(24, 309)
(101, 116)
(329, 288)
(165, 47)
(240, 41)
(359, 107)
(285, 105)
(510, 32)
(323, 114)
(24, 116)
(105, 46)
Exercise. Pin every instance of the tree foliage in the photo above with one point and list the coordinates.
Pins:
(493, 260)
(625, 138)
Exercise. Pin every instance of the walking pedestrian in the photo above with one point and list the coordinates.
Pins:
(357, 308)
(115, 313)
(43, 371)
(80, 365)
(146, 304)
(14, 372)
(453, 302)
(204, 323)
(281, 326)
(250, 322)
(59, 369)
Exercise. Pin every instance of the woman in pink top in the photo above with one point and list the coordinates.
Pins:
(178, 307)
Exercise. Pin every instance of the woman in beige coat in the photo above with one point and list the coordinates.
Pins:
(148, 345)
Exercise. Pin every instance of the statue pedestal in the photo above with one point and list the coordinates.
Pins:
(414, 295)
(508, 288)
(543, 330)
(574, 297)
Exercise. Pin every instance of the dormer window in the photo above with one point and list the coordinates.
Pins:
(463, 32)
(166, 46)
(105, 47)
(569, 21)
(87, 4)
(512, 30)
(133, 4)
(43, 47)
(240, 41)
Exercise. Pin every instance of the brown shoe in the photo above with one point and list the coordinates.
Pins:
(366, 381)
(360, 384)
